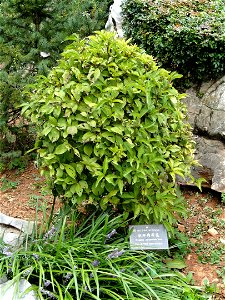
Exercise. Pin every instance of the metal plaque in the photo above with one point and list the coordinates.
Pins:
(152, 237)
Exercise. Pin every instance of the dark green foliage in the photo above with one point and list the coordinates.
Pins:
(91, 259)
(111, 129)
(30, 30)
(186, 36)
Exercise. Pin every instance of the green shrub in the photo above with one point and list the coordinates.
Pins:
(111, 129)
(186, 36)
(91, 259)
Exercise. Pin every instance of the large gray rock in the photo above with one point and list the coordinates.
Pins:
(206, 112)
(11, 235)
(114, 22)
(211, 155)
(20, 224)
(13, 230)
(211, 117)
(16, 290)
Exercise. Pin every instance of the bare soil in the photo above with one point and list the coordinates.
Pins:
(20, 191)
(205, 227)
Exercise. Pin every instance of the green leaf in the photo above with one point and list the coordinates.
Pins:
(83, 184)
(70, 170)
(97, 74)
(100, 177)
(88, 149)
(53, 135)
(105, 165)
(57, 111)
(127, 171)
(78, 189)
(88, 136)
(60, 149)
(117, 129)
(137, 209)
(72, 130)
(62, 123)
(59, 172)
(52, 121)
(79, 168)
(176, 264)
(110, 178)
(46, 130)
(120, 185)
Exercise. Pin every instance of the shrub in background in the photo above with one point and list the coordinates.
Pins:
(111, 129)
(32, 35)
(186, 36)
(91, 260)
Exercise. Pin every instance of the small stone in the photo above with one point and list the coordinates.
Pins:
(213, 232)
(189, 257)
(222, 241)
(181, 228)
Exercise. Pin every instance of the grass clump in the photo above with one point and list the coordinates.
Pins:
(90, 259)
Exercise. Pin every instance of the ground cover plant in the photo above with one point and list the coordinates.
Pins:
(89, 258)
(186, 36)
(111, 130)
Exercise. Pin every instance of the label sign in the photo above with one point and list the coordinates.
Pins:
(151, 237)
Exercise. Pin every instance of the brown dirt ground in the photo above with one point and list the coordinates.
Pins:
(205, 211)
(19, 201)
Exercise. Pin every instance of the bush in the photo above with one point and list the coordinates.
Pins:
(111, 129)
(186, 36)
(91, 259)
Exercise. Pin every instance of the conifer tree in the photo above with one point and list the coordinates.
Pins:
(32, 36)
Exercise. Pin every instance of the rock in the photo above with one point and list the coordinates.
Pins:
(114, 22)
(206, 114)
(11, 235)
(23, 225)
(222, 241)
(211, 155)
(13, 230)
(211, 117)
(213, 232)
(189, 257)
(12, 290)
(44, 54)
(215, 280)
(3, 279)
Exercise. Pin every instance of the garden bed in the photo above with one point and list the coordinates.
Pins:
(204, 254)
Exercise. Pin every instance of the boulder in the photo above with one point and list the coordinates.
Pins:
(206, 114)
(211, 155)
(13, 230)
(114, 22)
(16, 290)
(23, 225)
